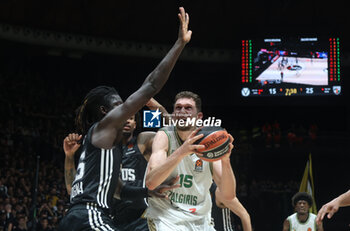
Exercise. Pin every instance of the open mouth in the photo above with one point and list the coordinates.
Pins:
(126, 127)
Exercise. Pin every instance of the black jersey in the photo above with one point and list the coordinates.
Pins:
(97, 174)
(134, 164)
(132, 173)
(223, 217)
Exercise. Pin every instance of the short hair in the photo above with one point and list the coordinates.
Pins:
(89, 112)
(302, 196)
(190, 95)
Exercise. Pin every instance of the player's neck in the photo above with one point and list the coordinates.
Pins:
(303, 217)
(127, 138)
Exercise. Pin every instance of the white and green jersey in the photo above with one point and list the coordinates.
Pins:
(296, 225)
(192, 200)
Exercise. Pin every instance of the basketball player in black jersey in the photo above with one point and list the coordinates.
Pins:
(127, 214)
(100, 119)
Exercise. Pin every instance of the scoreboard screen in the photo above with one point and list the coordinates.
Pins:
(292, 66)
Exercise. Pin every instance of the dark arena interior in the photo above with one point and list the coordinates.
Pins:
(53, 53)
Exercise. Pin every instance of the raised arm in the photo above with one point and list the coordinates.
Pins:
(105, 133)
(154, 105)
(70, 146)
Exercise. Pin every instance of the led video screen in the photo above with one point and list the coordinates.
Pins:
(291, 66)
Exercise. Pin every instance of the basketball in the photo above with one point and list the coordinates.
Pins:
(216, 141)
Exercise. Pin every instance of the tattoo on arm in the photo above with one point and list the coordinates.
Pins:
(69, 175)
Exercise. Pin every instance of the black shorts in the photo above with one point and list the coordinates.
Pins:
(86, 217)
(140, 224)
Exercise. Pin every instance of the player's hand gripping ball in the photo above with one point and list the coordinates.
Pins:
(216, 141)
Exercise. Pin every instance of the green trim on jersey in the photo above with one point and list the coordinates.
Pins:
(168, 135)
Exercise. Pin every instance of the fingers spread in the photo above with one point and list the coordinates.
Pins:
(182, 12)
(195, 138)
(171, 187)
(194, 132)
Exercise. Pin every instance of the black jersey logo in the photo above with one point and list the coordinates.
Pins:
(130, 149)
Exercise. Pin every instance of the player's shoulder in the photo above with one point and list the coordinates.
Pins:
(145, 135)
(166, 131)
(162, 134)
(292, 216)
(312, 216)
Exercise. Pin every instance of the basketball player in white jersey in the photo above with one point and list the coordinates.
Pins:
(302, 219)
(173, 153)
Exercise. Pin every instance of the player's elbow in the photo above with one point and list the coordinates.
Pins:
(229, 197)
(150, 184)
(245, 215)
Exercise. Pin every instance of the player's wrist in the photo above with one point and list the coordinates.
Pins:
(181, 42)
(182, 151)
(69, 156)
(226, 160)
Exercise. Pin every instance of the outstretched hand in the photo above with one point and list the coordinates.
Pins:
(71, 144)
(184, 33)
(161, 189)
(330, 208)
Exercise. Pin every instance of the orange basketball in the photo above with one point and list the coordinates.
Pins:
(216, 141)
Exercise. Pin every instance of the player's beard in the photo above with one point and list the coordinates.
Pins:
(183, 128)
(127, 134)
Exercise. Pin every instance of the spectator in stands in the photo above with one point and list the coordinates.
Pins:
(54, 222)
(9, 217)
(2, 220)
(45, 211)
(52, 197)
(22, 223)
(3, 188)
(44, 225)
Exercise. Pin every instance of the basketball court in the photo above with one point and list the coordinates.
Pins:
(297, 70)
